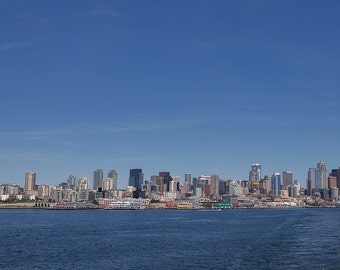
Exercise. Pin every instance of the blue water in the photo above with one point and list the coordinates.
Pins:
(170, 239)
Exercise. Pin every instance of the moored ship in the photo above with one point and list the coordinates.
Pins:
(126, 205)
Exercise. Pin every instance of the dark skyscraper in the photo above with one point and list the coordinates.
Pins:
(166, 180)
(136, 178)
(97, 178)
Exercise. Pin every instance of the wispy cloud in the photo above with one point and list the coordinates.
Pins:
(63, 135)
(11, 46)
(104, 12)
(20, 154)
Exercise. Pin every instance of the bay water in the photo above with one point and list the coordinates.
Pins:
(170, 239)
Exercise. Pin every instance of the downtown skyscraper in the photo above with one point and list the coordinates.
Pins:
(30, 182)
(97, 178)
(317, 178)
(287, 179)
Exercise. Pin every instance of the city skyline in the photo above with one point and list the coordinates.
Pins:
(314, 179)
(196, 86)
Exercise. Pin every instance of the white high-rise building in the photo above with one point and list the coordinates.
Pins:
(255, 173)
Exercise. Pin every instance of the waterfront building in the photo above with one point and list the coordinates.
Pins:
(97, 178)
(287, 179)
(70, 195)
(30, 182)
(9, 189)
(235, 189)
(83, 195)
(276, 184)
(43, 192)
(57, 193)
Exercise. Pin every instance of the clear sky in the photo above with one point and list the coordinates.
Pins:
(181, 86)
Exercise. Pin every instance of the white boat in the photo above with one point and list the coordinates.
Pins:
(126, 205)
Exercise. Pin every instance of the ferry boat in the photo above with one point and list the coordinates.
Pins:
(73, 206)
(126, 205)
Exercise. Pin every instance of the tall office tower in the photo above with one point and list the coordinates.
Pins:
(136, 179)
(276, 183)
(336, 173)
(174, 184)
(30, 178)
(97, 178)
(71, 181)
(287, 179)
(322, 175)
(113, 175)
(187, 183)
(317, 178)
(255, 173)
(166, 178)
(187, 178)
(215, 184)
(201, 183)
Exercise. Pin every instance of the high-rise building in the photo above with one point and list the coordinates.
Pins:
(113, 175)
(276, 183)
(71, 181)
(83, 183)
(200, 184)
(287, 179)
(215, 184)
(136, 178)
(332, 181)
(166, 179)
(97, 179)
(255, 173)
(30, 182)
(187, 183)
(317, 178)
(336, 173)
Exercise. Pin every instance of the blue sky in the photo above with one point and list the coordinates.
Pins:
(181, 86)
